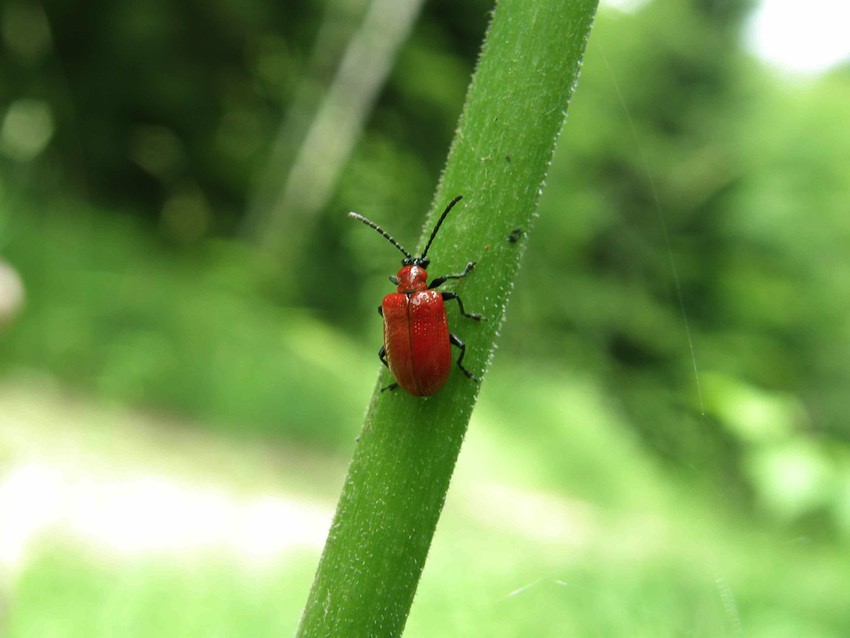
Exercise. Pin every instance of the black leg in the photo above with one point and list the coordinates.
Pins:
(382, 355)
(439, 281)
(460, 344)
(449, 296)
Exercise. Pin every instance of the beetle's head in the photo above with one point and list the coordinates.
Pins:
(422, 262)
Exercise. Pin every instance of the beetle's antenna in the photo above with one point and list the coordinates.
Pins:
(439, 223)
(385, 234)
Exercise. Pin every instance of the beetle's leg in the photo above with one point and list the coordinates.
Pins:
(448, 296)
(460, 344)
(382, 355)
(439, 281)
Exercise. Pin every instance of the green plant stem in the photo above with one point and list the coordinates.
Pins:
(407, 450)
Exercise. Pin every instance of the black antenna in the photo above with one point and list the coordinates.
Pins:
(439, 223)
(385, 234)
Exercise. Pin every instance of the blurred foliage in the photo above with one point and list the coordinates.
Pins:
(586, 532)
(116, 312)
(66, 594)
(131, 135)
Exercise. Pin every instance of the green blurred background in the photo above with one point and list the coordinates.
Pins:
(188, 327)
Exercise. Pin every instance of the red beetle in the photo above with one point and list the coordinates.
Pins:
(417, 341)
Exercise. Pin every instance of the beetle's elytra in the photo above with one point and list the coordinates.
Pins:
(417, 341)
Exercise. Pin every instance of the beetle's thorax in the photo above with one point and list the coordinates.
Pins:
(412, 279)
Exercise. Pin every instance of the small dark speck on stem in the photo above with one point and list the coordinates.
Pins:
(515, 235)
